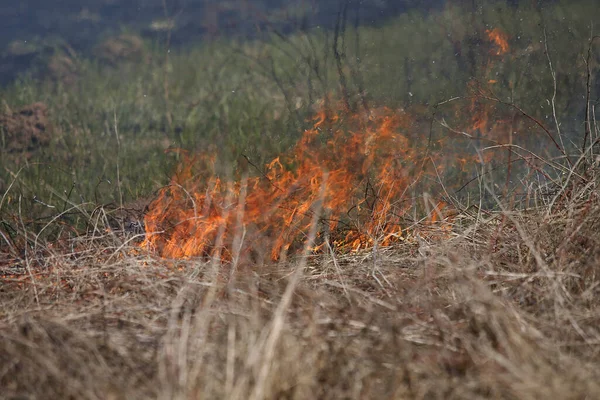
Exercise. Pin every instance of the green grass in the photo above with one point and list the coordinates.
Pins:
(255, 98)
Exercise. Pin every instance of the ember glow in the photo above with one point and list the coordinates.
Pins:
(500, 39)
(362, 167)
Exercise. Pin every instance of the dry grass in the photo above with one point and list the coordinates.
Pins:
(507, 307)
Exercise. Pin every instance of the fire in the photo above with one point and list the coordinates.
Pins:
(499, 38)
(361, 167)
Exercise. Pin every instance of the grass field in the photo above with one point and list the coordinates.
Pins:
(318, 215)
(506, 306)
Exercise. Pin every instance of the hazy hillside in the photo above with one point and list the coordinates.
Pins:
(35, 26)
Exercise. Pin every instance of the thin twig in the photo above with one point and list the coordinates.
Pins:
(588, 85)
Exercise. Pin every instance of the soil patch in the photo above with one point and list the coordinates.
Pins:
(120, 48)
(24, 131)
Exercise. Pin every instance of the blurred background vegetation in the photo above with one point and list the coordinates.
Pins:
(95, 93)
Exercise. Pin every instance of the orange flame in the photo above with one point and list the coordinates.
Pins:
(362, 165)
(499, 38)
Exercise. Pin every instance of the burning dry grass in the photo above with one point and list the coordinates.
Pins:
(365, 165)
(477, 305)
(504, 307)
(485, 305)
